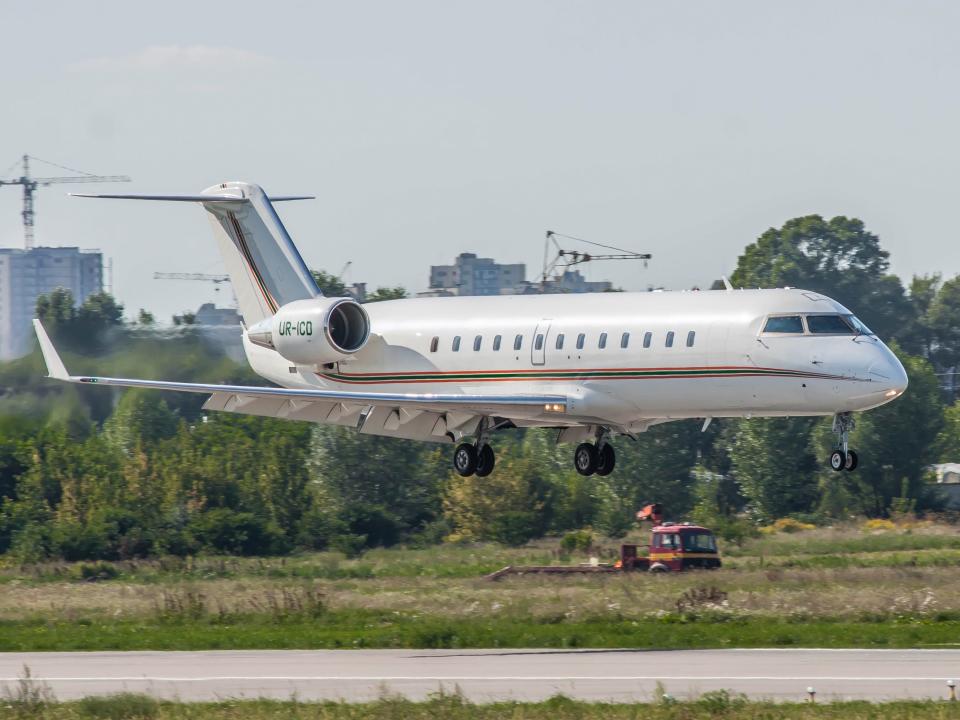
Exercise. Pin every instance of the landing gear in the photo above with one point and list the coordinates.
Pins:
(843, 458)
(606, 459)
(585, 458)
(485, 461)
(465, 459)
(475, 458)
(599, 457)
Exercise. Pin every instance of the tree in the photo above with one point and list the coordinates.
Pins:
(509, 506)
(774, 466)
(56, 310)
(382, 293)
(836, 257)
(917, 338)
(330, 285)
(145, 318)
(943, 320)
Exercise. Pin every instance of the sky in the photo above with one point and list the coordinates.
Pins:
(426, 129)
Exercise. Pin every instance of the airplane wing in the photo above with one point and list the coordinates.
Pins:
(425, 416)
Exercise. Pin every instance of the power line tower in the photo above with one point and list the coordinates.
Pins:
(30, 185)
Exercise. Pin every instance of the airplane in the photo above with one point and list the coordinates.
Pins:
(458, 370)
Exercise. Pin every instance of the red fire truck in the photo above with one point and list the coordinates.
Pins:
(673, 547)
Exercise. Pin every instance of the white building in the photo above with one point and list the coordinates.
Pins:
(27, 274)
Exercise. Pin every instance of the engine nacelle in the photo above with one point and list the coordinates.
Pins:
(314, 332)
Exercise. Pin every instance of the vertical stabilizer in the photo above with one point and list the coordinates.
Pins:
(265, 268)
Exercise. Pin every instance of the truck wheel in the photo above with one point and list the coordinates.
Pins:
(659, 568)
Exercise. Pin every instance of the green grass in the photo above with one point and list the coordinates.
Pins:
(719, 704)
(369, 629)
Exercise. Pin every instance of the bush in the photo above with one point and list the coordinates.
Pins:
(119, 707)
(237, 533)
(92, 572)
(787, 525)
(578, 540)
(879, 524)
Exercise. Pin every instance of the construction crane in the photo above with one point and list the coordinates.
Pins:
(30, 185)
(215, 279)
(567, 258)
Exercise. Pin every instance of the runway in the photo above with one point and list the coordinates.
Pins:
(489, 675)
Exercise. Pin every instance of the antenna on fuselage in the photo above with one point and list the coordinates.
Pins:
(568, 258)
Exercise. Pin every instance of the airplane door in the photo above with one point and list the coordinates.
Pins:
(538, 348)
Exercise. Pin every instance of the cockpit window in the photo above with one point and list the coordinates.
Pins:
(784, 324)
(858, 325)
(829, 325)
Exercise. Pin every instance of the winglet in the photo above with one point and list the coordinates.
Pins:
(55, 367)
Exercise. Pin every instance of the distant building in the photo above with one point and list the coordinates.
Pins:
(948, 484)
(570, 282)
(210, 314)
(27, 274)
(472, 275)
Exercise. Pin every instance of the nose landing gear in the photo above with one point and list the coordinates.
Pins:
(843, 458)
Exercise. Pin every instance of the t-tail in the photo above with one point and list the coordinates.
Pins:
(265, 267)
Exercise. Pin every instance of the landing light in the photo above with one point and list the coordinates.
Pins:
(554, 407)
(892, 393)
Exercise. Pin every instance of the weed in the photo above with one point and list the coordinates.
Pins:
(121, 706)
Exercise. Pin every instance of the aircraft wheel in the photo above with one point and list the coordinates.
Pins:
(606, 459)
(585, 458)
(851, 461)
(485, 461)
(837, 461)
(465, 459)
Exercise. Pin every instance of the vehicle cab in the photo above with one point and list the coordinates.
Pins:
(682, 547)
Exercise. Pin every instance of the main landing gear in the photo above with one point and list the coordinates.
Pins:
(598, 457)
(475, 458)
(469, 460)
(843, 458)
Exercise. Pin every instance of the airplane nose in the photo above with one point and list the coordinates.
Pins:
(890, 373)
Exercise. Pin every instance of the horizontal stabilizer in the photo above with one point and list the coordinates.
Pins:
(189, 198)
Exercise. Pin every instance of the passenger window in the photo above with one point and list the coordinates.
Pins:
(624, 340)
(670, 339)
(784, 324)
(603, 341)
(456, 344)
(518, 342)
(647, 339)
(434, 344)
(828, 325)
(581, 338)
(477, 341)
(560, 341)
(691, 337)
(538, 343)
(496, 343)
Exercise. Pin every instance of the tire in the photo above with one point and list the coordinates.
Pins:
(465, 459)
(837, 461)
(659, 568)
(585, 459)
(851, 461)
(485, 461)
(606, 460)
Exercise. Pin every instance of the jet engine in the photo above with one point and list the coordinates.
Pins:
(315, 331)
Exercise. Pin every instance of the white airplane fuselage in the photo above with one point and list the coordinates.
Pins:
(720, 363)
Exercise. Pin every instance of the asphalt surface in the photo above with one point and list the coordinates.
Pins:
(488, 675)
